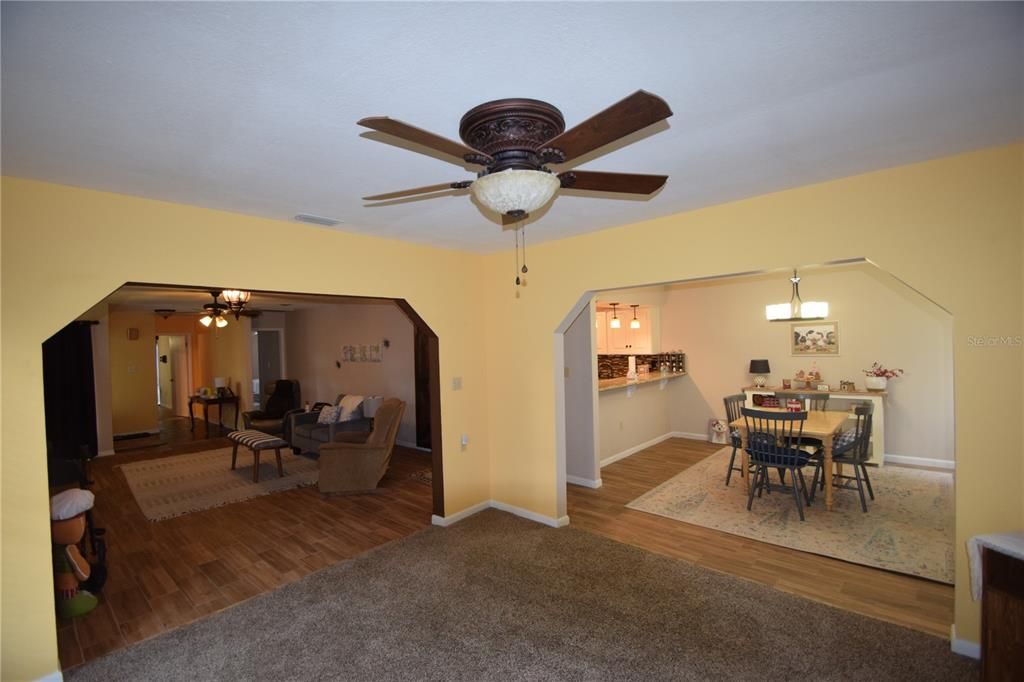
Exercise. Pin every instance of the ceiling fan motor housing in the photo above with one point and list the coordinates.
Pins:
(513, 133)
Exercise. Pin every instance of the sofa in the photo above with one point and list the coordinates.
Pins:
(306, 435)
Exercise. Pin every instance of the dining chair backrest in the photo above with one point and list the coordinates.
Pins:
(815, 402)
(774, 438)
(858, 447)
(733, 407)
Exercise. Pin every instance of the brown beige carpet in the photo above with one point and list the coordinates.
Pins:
(172, 486)
(496, 597)
(908, 527)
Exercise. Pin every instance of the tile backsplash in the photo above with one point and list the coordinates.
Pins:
(615, 366)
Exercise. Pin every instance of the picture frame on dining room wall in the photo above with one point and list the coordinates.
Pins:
(819, 337)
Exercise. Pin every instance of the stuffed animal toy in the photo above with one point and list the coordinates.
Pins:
(719, 431)
(67, 526)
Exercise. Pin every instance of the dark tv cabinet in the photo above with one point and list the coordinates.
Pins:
(1002, 617)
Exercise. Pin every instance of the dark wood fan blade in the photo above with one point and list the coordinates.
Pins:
(637, 111)
(512, 220)
(419, 190)
(625, 183)
(423, 137)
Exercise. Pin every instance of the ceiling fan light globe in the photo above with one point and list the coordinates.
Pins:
(221, 322)
(205, 321)
(515, 190)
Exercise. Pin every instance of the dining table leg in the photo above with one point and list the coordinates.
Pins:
(826, 471)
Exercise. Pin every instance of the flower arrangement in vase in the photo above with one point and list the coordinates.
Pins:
(878, 376)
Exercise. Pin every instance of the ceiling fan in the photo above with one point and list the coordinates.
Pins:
(513, 139)
(235, 300)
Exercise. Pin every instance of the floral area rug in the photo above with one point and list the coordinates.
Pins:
(908, 527)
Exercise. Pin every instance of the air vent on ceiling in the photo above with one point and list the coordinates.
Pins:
(316, 219)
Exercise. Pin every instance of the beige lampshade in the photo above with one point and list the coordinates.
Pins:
(516, 190)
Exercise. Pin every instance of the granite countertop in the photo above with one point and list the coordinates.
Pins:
(623, 382)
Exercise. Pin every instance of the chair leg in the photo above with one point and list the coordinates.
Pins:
(732, 461)
(860, 489)
(234, 455)
(753, 484)
(803, 486)
(763, 483)
(814, 481)
(782, 476)
(255, 466)
(871, 493)
(280, 467)
(796, 495)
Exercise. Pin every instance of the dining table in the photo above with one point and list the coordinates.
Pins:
(821, 424)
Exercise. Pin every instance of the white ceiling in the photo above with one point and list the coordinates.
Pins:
(251, 107)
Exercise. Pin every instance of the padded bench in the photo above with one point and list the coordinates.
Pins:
(256, 441)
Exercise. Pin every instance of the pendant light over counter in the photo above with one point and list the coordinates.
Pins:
(634, 323)
(615, 322)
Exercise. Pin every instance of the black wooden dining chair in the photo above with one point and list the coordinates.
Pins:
(733, 407)
(774, 441)
(851, 447)
(813, 402)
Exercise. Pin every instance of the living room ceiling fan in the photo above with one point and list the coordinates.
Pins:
(513, 139)
(235, 300)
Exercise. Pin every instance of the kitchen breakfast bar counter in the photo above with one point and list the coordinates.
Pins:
(623, 382)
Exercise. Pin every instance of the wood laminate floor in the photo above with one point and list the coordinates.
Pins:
(913, 602)
(168, 573)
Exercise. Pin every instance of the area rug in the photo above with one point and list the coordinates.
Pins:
(497, 597)
(908, 527)
(171, 486)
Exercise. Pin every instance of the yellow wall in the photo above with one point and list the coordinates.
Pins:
(951, 228)
(132, 373)
(68, 248)
(231, 358)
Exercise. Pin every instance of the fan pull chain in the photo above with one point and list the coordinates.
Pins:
(525, 269)
(517, 257)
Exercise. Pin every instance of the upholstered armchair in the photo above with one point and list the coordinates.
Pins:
(352, 467)
(282, 397)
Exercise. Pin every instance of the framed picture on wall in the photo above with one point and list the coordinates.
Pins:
(815, 338)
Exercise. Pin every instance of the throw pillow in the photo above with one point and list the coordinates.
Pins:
(329, 415)
(350, 407)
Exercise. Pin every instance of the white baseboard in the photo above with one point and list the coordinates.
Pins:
(445, 521)
(692, 436)
(585, 482)
(52, 677)
(411, 445)
(963, 646)
(533, 516)
(920, 461)
(104, 453)
(633, 450)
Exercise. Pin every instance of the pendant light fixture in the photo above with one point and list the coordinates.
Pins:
(796, 309)
(616, 322)
(634, 323)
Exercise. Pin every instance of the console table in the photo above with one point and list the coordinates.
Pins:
(875, 397)
(220, 401)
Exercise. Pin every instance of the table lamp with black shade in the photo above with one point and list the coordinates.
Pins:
(760, 370)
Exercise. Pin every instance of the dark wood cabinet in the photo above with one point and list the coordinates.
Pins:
(1002, 617)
